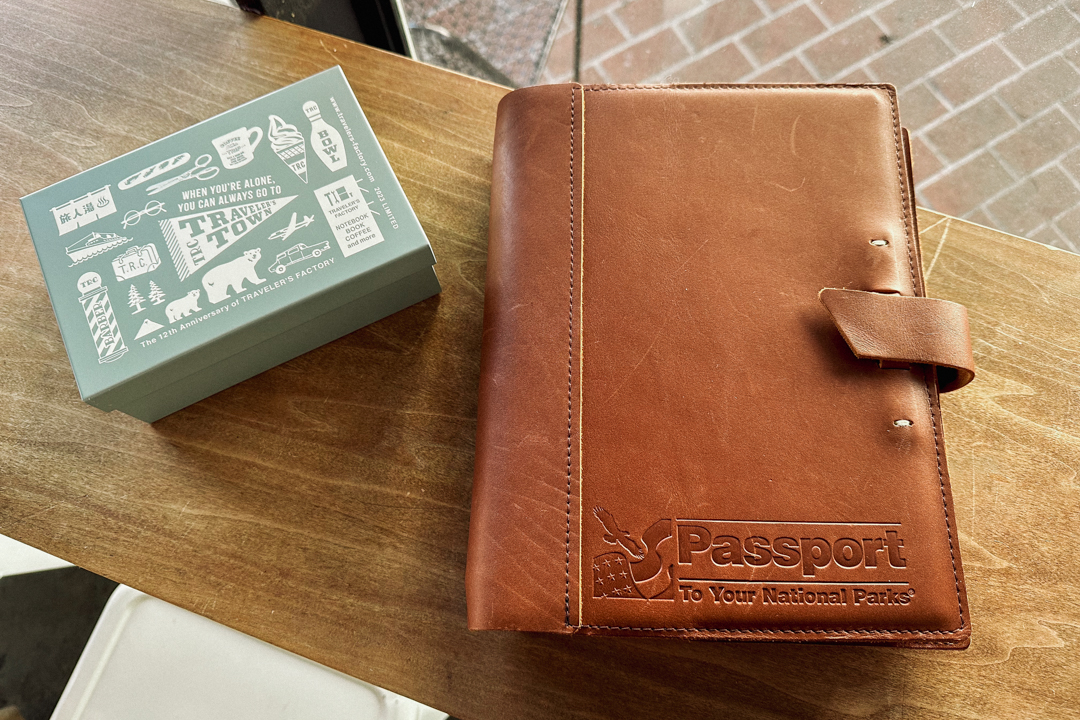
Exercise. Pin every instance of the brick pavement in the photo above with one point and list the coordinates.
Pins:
(989, 89)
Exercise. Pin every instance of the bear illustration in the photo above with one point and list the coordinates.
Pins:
(218, 280)
(183, 307)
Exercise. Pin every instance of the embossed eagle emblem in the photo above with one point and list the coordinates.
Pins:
(615, 535)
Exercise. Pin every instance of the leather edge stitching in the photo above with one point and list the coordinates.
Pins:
(738, 86)
(927, 373)
(570, 357)
(960, 633)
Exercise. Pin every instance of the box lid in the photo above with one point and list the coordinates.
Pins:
(177, 255)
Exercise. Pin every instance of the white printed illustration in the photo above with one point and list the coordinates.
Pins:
(94, 298)
(84, 210)
(135, 300)
(93, 245)
(194, 240)
(288, 142)
(132, 217)
(284, 233)
(232, 274)
(136, 261)
(156, 295)
(153, 171)
(297, 253)
(199, 172)
(183, 307)
(325, 140)
(349, 216)
(236, 149)
(148, 326)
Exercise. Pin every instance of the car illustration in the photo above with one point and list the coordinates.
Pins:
(298, 253)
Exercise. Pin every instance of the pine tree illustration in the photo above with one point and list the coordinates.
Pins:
(135, 300)
(156, 295)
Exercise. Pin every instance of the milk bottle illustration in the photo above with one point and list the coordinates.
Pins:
(325, 140)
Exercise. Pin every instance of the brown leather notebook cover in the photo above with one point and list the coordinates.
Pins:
(709, 381)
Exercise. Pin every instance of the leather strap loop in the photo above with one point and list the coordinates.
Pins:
(900, 328)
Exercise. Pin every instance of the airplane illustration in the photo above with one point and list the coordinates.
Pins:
(293, 226)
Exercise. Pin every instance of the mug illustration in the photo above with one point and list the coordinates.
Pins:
(237, 148)
(95, 303)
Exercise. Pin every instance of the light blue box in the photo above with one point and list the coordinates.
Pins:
(220, 251)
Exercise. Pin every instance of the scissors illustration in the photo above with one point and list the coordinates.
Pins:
(199, 172)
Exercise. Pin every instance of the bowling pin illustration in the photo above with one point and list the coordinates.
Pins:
(325, 140)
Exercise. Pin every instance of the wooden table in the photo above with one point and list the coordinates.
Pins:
(335, 524)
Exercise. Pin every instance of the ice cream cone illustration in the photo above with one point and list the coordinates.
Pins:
(288, 143)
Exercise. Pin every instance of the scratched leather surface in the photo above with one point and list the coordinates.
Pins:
(674, 438)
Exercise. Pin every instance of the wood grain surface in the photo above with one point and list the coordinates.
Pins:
(324, 505)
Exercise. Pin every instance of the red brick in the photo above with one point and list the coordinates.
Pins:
(1071, 163)
(924, 162)
(981, 218)
(783, 34)
(594, 7)
(560, 60)
(591, 76)
(643, 60)
(790, 71)
(640, 16)
(971, 129)
(598, 36)
(1039, 141)
(1030, 7)
(1040, 87)
(844, 48)
(724, 64)
(916, 57)
(903, 17)
(840, 10)
(919, 106)
(1073, 55)
(1042, 36)
(978, 23)
(1035, 201)
(566, 25)
(777, 5)
(966, 187)
(1069, 227)
(974, 75)
(1050, 236)
(719, 21)
(857, 76)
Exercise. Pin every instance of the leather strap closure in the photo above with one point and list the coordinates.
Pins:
(899, 328)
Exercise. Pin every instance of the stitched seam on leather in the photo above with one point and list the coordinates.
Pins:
(767, 631)
(927, 375)
(723, 86)
(581, 366)
(570, 356)
(937, 444)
